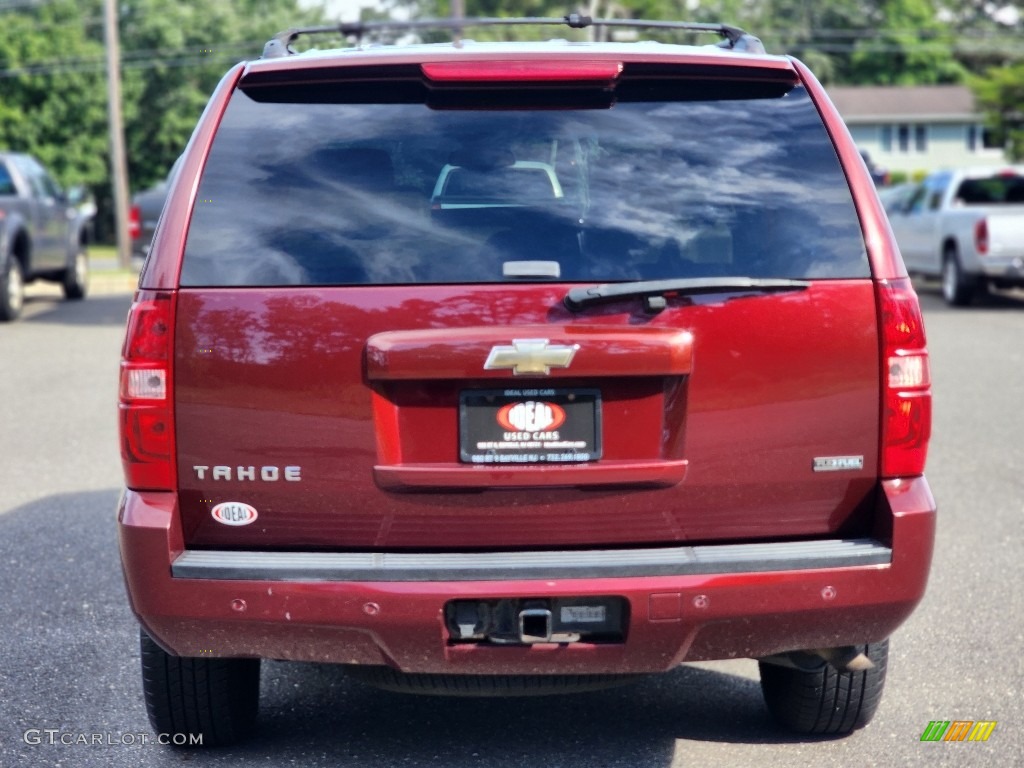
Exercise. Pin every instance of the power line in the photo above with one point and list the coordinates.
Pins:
(17, 5)
(141, 60)
(833, 41)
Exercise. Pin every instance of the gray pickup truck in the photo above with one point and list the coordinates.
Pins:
(43, 234)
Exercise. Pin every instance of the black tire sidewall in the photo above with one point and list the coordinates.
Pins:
(74, 284)
(9, 311)
(957, 288)
(216, 699)
(826, 701)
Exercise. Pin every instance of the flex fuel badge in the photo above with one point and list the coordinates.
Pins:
(234, 513)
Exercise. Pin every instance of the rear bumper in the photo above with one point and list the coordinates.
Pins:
(1009, 269)
(685, 603)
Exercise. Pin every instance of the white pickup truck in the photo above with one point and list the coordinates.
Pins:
(967, 227)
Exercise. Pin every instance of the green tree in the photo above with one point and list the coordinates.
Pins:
(851, 41)
(1000, 93)
(54, 83)
(912, 47)
(53, 104)
(988, 34)
(174, 54)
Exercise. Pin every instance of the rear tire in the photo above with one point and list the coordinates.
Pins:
(75, 282)
(12, 290)
(824, 700)
(196, 701)
(958, 288)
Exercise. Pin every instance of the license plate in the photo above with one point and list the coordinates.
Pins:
(530, 426)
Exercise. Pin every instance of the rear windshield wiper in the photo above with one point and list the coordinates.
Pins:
(654, 292)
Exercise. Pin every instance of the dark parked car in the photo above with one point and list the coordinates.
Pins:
(44, 234)
(144, 214)
(878, 174)
(662, 396)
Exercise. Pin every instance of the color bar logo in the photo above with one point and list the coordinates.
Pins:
(958, 730)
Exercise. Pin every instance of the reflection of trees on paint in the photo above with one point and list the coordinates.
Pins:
(245, 348)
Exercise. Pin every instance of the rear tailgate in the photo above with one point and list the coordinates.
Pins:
(1006, 232)
(711, 417)
(359, 367)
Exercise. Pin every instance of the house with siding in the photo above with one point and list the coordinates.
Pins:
(916, 129)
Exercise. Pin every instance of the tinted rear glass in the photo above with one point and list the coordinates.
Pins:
(1002, 188)
(398, 193)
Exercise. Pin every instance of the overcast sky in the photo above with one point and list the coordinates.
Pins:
(341, 10)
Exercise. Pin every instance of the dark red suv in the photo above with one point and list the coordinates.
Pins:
(540, 366)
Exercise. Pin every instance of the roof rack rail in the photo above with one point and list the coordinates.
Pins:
(734, 37)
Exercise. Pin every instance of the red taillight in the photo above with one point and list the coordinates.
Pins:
(906, 381)
(525, 70)
(135, 222)
(981, 236)
(145, 402)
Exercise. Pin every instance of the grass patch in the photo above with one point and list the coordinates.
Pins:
(103, 261)
(103, 251)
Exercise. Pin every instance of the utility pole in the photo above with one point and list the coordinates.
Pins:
(458, 14)
(118, 163)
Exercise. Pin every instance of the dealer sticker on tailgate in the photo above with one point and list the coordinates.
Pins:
(530, 426)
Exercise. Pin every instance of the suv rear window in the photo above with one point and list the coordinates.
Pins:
(320, 193)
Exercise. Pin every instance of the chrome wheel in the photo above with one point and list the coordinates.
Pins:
(957, 287)
(81, 268)
(950, 278)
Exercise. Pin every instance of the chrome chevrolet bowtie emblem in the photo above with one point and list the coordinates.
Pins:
(530, 356)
